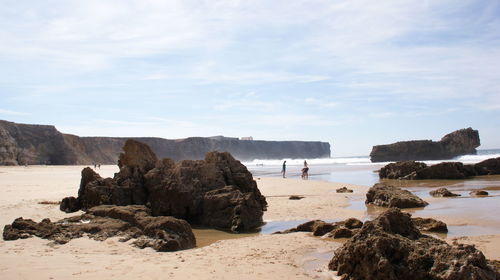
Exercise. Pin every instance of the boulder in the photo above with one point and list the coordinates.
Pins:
(216, 192)
(488, 167)
(70, 204)
(478, 193)
(429, 224)
(101, 222)
(400, 170)
(443, 192)
(344, 190)
(295, 197)
(341, 229)
(390, 196)
(391, 247)
(460, 142)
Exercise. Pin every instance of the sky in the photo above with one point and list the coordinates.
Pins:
(355, 73)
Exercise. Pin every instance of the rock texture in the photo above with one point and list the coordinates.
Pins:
(443, 192)
(43, 144)
(342, 229)
(101, 222)
(216, 192)
(412, 170)
(343, 190)
(391, 248)
(390, 196)
(429, 224)
(479, 193)
(460, 142)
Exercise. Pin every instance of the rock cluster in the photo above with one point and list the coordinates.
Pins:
(390, 196)
(391, 247)
(429, 224)
(344, 190)
(460, 142)
(216, 192)
(101, 222)
(411, 170)
(342, 229)
(443, 192)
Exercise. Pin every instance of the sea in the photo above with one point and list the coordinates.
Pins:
(469, 215)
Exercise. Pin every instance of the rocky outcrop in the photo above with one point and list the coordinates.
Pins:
(343, 190)
(101, 222)
(216, 192)
(479, 193)
(43, 144)
(390, 196)
(460, 142)
(411, 170)
(443, 192)
(342, 229)
(429, 224)
(391, 247)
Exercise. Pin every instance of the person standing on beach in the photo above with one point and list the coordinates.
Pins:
(305, 171)
(283, 170)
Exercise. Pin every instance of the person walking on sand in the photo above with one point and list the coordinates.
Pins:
(305, 171)
(283, 169)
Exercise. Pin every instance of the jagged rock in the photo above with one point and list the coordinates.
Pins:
(488, 167)
(443, 192)
(429, 224)
(391, 248)
(478, 193)
(70, 204)
(344, 190)
(390, 196)
(401, 169)
(295, 197)
(101, 222)
(460, 142)
(342, 229)
(217, 192)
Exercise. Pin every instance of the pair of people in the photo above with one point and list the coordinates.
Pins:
(305, 170)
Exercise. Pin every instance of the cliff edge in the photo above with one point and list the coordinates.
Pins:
(460, 142)
(43, 144)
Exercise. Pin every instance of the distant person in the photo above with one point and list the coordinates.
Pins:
(283, 170)
(95, 165)
(305, 171)
(99, 166)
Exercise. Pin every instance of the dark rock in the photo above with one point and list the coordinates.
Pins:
(352, 223)
(401, 169)
(295, 197)
(340, 232)
(443, 192)
(411, 170)
(488, 167)
(478, 193)
(70, 204)
(101, 222)
(429, 224)
(217, 192)
(334, 230)
(460, 142)
(344, 190)
(390, 196)
(391, 247)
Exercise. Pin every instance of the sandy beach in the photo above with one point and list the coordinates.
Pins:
(254, 256)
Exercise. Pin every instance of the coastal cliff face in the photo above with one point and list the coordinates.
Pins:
(43, 144)
(460, 142)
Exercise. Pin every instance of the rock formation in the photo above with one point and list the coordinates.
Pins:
(216, 192)
(43, 144)
(342, 229)
(460, 142)
(411, 170)
(478, 193)
(101, 222)
(443, 192)
(429, 224)
(392, 248)
(390, 196)
(343, 190)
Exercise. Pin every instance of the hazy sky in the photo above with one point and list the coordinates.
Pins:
(353, 73)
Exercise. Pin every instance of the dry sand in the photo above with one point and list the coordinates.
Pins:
(290, 256)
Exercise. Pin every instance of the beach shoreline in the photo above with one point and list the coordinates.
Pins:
(288, 256)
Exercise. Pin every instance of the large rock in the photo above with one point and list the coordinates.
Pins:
(488, 167)
(217, 192)
(390, 196)
(400, 170)
(443, 192)
(392, 248)
(101, 222)
(460, 142)
(411, 170)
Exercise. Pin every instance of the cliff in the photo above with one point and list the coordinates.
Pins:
(460, 142)
(44, 144)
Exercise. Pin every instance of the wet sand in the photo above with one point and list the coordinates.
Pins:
(219, 255)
